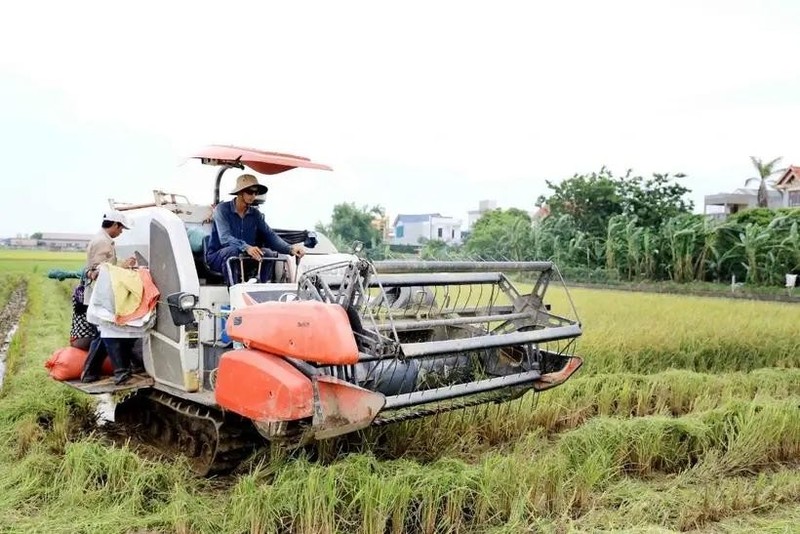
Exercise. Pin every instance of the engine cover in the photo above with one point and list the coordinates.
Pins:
(307, 330)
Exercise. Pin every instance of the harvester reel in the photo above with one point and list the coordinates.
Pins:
(436, 336)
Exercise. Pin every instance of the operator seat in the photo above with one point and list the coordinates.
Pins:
(211, 276)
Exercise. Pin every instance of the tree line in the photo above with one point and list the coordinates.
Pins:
(758, 246)
(600, 226)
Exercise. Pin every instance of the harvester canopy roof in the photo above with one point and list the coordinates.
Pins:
(258, 160)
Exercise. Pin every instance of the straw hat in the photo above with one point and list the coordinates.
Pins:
(248, 180)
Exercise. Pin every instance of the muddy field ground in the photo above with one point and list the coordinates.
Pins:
(9, 322)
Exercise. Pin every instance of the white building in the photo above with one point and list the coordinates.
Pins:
(63, 241)
(414, 229)
(483, 207)
(22, 242)
(722, 205)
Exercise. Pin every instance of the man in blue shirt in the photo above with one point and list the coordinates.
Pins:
(239, 228)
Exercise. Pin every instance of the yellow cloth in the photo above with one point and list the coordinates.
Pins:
(128, 289)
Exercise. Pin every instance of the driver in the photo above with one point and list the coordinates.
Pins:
(239, 228)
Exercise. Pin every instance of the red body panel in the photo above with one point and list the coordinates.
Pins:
(343, 407)
(262, 387)
(258, 160)
(307, 330)
(551, 380)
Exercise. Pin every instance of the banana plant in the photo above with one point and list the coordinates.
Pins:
(708, 235)
(680, 235)
(515, 243)
(633, 254)
(787, 240)
(539, 237)
(580, 249)
(650, 251)
(615, 224)
(792, 246)
(753, 243)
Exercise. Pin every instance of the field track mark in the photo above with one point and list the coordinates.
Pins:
(9, 320)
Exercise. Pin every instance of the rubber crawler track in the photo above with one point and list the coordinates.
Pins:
(213, 443)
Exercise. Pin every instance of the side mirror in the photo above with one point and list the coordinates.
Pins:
(357, 247)
(181, 306)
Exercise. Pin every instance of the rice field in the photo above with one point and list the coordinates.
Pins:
(684, 417)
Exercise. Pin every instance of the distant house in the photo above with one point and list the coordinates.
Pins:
(722, 205)
(62, 241)
(789, 185)
(412, 229)
(483, 207)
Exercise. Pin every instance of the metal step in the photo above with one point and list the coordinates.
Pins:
(106, 385)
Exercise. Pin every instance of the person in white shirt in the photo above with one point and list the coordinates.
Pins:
(100, 250)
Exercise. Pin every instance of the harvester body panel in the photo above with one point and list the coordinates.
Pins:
(308, 330)
(262, 387)
(341, 407)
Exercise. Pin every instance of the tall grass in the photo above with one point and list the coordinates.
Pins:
(779, 520)
(541, 478)
(648, 333)
(694, 499)
(609, 450)
(472, 432)
(674, 393)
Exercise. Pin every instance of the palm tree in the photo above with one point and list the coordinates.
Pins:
(765, 170)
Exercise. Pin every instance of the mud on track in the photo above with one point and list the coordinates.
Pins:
(9, 320)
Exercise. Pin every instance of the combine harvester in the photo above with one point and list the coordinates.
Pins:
(332, 345)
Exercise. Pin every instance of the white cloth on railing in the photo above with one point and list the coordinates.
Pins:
(101, 311)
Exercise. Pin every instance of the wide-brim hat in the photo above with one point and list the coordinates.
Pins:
(246, 181)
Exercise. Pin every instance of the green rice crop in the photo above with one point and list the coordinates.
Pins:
(686, 415)
(648, 333)
(39, 261)
(470, 433)
(693, 500)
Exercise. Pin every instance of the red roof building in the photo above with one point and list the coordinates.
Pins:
(789, 185)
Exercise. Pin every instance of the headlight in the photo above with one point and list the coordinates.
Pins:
(187, 302)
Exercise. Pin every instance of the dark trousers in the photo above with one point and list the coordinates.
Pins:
(125, 355)
(93, 365)
(120, 351)
(218, 261)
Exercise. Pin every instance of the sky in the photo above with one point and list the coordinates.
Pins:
(418, 106)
